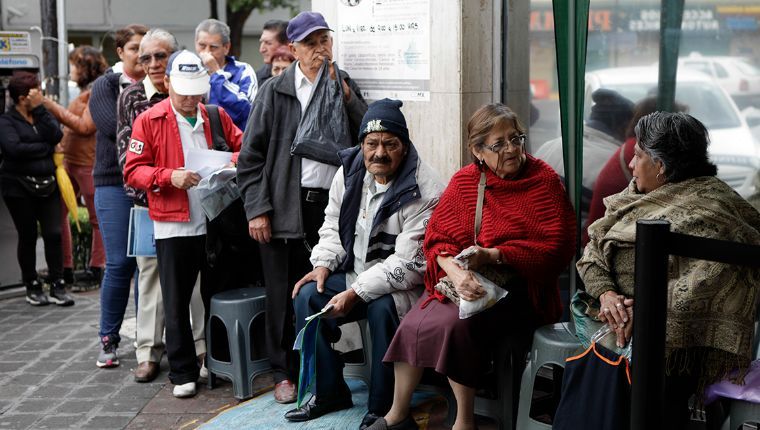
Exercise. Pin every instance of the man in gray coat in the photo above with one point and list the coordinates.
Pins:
(285, 195)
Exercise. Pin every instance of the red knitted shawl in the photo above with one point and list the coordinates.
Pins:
(528, 218)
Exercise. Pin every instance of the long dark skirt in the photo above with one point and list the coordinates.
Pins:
(435, 337)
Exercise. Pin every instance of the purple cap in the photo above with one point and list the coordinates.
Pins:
(304, 24)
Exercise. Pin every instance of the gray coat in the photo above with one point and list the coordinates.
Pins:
(269, 177)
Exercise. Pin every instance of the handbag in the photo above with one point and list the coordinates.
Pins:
(500, 275)
(38, 186)
(596, 389)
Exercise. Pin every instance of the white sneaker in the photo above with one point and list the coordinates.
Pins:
(184, 390)
(203, 373)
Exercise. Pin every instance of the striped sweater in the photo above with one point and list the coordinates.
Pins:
(528, 218)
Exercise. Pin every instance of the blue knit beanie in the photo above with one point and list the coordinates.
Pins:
(385, 115)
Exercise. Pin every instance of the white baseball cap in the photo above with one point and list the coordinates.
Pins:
(188, 76)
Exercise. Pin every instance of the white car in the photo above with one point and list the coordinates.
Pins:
(737, 75)
(732, 146)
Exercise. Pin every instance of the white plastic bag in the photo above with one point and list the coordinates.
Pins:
(494, 293)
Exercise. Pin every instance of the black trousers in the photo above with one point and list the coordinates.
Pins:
(180, 259)
(26, 212)
(285, 262)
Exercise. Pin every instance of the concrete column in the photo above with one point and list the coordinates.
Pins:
(461, 78)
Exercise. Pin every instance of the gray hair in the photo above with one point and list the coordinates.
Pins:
(214, 26)
(679, 141)
(161, 35)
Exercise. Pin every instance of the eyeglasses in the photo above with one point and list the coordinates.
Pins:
(499, 146)
(158, 56)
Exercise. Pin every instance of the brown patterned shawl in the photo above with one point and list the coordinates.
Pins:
(711, 306)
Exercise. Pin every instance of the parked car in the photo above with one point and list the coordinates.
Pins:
(737, 75)
(732, 147)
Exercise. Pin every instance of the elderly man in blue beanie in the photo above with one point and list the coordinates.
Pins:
(368, 263)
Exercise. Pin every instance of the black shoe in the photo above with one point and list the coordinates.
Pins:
(34, 294)
(368, 420)
(314, 409)
(58, 294)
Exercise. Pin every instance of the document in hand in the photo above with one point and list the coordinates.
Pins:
(206, 161)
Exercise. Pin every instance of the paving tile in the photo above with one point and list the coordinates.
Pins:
(38, 345)
(12, 392)
(111, 376)
(60, 422)
(48, 391)
(76, 406)
(7, 345)
(4, 406)
(69, 377)
(139, 391)
(93, 391)
(17, 422)
(118, 404)
(33, 406)
(11, 366)
(44, 366)
(59, 356)
(28, 379)
(25, 356)
(106, 422)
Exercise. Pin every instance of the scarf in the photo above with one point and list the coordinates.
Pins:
(711, 306)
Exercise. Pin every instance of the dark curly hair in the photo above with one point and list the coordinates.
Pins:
(90, 62)
(679, 141)
(20, 84)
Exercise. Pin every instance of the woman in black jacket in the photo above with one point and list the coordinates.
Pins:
(28, 136)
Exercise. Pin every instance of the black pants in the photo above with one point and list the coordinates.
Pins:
(26, 212)
(179, 261)
(383, 321)
(285, 262)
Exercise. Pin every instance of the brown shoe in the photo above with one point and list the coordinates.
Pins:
(285, 392)
(146, 371)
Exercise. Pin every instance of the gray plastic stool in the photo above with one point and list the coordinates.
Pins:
(237, 310)
(361, 370)
(743, 412)
(552, 344)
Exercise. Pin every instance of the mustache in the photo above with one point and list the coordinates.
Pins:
(380, 160)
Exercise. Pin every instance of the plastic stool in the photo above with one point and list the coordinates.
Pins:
(237, 310)
(552, 344)
(362, 370)
(743, 412)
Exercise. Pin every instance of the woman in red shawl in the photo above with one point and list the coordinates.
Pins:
(527, 225)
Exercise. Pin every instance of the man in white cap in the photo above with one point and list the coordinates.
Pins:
(155, 159)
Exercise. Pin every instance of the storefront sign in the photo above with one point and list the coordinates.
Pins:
(693, 20)
(385, 47)
(15, 42)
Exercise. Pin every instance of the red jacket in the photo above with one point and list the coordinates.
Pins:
(155, 150)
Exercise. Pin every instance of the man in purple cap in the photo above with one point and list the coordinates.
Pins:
(285, 195)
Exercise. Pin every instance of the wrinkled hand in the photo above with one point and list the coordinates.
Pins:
(342, 303)
(617, 311)
(260, 229)
(482, 257)
(209, 61)
(184, 179)
(318, 275)
(467, 285)
(35, 97)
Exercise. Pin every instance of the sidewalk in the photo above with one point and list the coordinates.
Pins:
(49, 379)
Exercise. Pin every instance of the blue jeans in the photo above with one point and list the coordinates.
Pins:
(383, 321)
(112, 207)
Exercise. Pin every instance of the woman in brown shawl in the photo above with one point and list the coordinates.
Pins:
(711, 306)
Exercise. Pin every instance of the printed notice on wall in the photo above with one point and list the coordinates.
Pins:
(385, 46)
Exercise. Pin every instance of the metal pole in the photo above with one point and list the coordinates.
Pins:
(651, 286)
(49, 50)
(671, 15)
(63, 53)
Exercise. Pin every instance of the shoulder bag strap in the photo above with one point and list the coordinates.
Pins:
(479, 207)
(219, 143)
